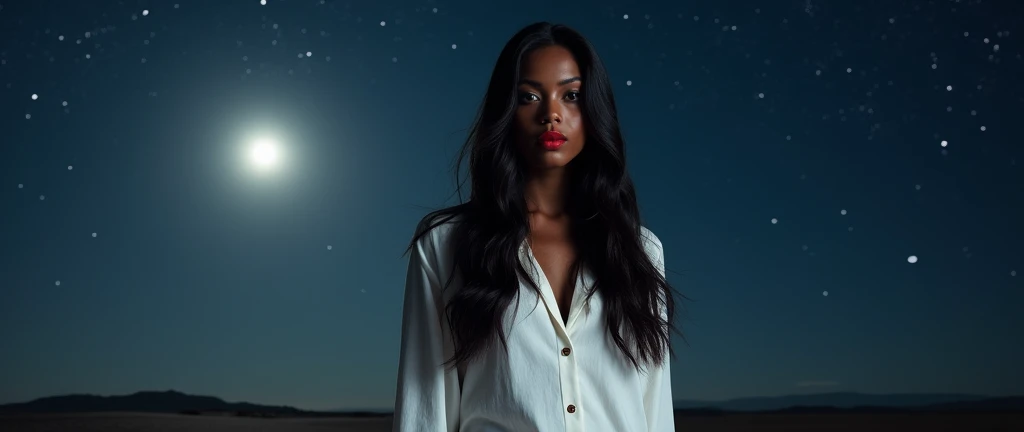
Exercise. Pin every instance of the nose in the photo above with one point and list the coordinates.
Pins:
(549, 114)
(551, 118)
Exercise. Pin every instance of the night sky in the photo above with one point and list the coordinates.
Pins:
(839, 188)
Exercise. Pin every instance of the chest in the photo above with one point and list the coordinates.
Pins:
(556, 254)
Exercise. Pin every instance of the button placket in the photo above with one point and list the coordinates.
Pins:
(569, 374)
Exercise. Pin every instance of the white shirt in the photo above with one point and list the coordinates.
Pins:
(555, 377)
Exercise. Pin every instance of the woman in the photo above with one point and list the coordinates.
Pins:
(552, 225)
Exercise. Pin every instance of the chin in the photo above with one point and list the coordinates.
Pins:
(540, 159)
(554, 160)
(551, 159)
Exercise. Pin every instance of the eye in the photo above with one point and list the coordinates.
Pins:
(527, 97)
(573, 95)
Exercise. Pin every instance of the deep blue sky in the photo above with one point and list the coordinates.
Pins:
(286, 288)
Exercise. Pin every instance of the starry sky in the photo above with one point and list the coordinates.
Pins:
(838, 187)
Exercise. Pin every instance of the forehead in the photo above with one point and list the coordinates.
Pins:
(549, 65)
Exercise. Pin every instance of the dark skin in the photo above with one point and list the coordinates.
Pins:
(549, 99)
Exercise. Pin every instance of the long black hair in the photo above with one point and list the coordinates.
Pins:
(490, 227)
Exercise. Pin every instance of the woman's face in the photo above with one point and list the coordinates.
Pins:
(549, 118)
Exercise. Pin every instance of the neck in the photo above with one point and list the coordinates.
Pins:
(546, 191)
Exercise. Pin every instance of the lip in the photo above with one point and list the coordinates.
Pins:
(552, 140)
(553, 136)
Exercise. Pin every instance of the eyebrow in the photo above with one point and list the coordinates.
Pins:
(560, 83)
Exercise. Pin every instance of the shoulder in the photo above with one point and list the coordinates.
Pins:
(431, 248)
(434, 230)
(652, 244)
(653, 248)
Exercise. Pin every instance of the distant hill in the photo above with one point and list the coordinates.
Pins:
(172, 401)
(169, 401)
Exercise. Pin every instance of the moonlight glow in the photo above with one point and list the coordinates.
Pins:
(264, 154)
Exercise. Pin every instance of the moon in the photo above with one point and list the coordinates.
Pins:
(265, 154)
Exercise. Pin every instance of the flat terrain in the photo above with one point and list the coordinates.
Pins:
(145, 422)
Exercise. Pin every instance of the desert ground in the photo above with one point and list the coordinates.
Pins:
(144, 422)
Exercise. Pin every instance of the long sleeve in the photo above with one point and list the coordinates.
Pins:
(658, 400)
(658, 405)
(427, 399)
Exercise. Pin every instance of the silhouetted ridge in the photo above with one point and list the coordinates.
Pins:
(169, 401)
(172, 401)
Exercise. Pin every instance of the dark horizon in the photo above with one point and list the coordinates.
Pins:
(172, 400)
(838, 188)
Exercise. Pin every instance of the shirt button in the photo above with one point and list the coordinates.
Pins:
(571, 409)
(566, 351)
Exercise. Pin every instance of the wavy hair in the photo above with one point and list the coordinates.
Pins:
(492, 224)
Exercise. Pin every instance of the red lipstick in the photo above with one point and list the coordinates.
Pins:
(552, 140)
